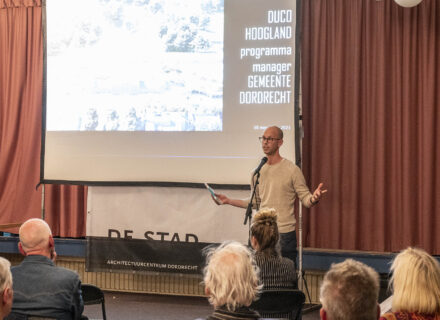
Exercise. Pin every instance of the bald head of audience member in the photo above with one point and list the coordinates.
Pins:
(36, 239)
(231, 276)
(350, 290)
(5, 287)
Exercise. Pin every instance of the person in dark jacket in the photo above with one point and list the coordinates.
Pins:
(40, 287)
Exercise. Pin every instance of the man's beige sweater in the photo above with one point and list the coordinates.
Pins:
(279, 186)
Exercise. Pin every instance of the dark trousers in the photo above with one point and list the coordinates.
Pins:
(288, 246)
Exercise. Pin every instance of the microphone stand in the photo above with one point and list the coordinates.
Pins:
(248, 214)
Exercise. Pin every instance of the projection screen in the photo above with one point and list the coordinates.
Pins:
(166, 90)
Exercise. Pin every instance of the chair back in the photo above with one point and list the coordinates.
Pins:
(280, 303)
(93, 295)
(20, 316)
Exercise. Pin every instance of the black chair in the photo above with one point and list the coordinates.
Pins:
(280, 303)
(93, 295)
(19, 316)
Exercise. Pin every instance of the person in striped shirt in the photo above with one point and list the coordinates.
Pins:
(276, 272)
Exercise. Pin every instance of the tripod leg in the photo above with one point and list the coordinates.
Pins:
(305, 285)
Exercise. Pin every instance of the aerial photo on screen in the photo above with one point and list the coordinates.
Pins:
(134, 65)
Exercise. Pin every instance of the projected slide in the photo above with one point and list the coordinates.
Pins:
(171, 81)
(166, 90)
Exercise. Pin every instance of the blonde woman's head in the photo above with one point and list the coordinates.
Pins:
(415, 282)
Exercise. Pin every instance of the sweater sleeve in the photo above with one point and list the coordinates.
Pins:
(300, 186)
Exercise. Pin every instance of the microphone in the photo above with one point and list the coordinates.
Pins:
(263, 161)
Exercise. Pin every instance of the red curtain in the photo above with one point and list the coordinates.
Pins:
(21, 75)
(370, 97)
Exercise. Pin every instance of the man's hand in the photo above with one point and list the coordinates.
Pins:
(222, 199)
(317, 194)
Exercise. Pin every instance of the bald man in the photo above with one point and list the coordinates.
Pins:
(281, 182)
(40, 287)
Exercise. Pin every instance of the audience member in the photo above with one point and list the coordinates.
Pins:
(231, 281)
(416, 286)
(350, 290)
(40, 287)
(276, 272)
(5, 287)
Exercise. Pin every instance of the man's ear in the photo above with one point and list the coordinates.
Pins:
(51, 242)
(280, 142)
(323, 314)
(20, 248)
(7, 296)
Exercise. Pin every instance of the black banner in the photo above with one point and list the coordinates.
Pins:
(113, 254)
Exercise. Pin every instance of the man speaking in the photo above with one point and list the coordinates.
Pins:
(281, 182)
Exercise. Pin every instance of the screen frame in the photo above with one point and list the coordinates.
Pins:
(297, 121)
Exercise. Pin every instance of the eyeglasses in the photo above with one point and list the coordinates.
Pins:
(269, 139)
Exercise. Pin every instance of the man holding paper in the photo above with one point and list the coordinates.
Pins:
(281, 182)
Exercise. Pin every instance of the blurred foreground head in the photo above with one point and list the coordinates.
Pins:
(415, 282)
(350, 290)
(6, 293)
(231, 276)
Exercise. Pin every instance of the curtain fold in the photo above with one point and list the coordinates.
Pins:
(370, 95)
(21, 75)
(19, 3)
